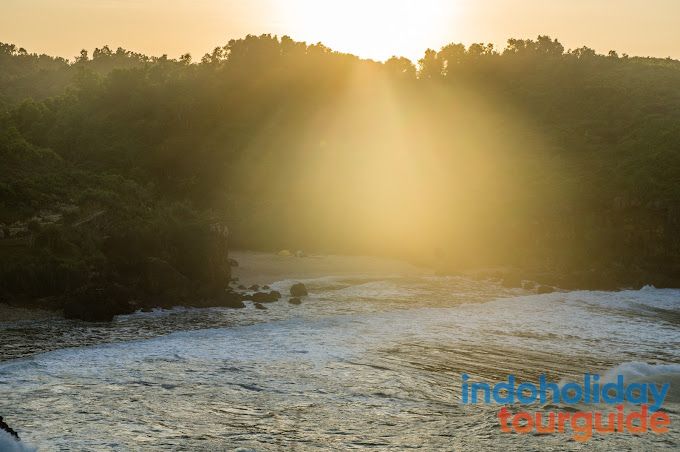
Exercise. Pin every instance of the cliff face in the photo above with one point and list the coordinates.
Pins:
(626, 243)
(219, 267)
(115, 260)
(190, 268)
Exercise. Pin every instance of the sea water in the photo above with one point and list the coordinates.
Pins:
(365, 362)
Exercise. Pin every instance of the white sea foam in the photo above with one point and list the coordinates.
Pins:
(636, 370)
(641, 372)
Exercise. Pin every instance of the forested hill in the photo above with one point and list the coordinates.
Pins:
(564, 163)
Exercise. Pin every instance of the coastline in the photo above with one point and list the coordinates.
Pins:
(256, 268)
(264, 268)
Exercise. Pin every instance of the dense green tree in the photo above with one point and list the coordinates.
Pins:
(558, 158)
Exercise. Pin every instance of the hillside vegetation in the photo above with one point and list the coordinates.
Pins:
(562, 164)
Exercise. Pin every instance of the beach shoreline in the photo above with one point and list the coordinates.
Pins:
(260, 268)
(265, 268)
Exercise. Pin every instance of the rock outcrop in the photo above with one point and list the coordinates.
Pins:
(263, 297)
(163, 283)
(99, 303)
(8, 429)
(298, 290)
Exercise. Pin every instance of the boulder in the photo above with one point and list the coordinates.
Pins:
(298, 290)
(259, 306)
(295, 301)
(98, 304)
(8, 429)
(254, 287)
(265, 287)
(233, 262)
(263, 297)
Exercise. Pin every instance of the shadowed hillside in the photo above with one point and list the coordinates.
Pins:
(562, 164)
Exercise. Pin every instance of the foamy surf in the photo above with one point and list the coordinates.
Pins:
(389, 348)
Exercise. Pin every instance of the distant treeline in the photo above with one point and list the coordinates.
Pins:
(533, 156)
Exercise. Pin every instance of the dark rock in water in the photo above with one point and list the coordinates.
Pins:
(545, 289)
(228, 299)
(233, 300)
(254, 287)
(298, 290)
(259, 306)
(264, 297)
(265, 287)
(8, 429)
(241, 287)
(295, 300)
(98, 304)
(233, 262)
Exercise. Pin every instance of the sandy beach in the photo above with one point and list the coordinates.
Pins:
(265, 268)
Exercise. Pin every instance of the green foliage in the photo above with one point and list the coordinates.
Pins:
(243, 132)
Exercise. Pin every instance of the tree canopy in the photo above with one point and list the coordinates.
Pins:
(531, 155)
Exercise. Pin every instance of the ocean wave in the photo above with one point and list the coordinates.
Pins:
(638, 371)
(641, 372)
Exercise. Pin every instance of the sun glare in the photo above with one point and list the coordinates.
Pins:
(374, 29)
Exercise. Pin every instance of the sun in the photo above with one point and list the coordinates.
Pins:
(374, 29)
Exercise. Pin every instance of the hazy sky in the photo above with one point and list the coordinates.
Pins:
(369, 28)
